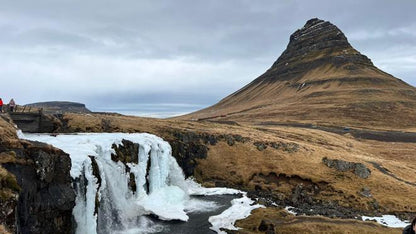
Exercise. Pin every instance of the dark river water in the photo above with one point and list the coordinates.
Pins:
(198, 222)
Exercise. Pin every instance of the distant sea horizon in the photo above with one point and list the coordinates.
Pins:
(159, 110)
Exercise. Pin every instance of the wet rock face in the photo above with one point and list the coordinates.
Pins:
(46, 198)
(36, 122)
(126, 153)
(358, 169)
(189, 146)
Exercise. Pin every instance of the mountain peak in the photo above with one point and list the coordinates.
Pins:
(317, 43)
(321, 78)
(313, 21)
(318, 29)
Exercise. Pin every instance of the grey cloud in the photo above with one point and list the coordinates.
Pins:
(108, 43)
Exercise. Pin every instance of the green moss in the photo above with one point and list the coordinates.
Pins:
(10, 182)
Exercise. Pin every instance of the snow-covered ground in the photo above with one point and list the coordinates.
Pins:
(240, 209)
(388, 220)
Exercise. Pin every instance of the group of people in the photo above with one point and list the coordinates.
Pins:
(11, 105)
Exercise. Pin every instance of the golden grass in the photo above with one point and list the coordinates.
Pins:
(3, 230)
(8, 133)
(9, 186)
(332, 95)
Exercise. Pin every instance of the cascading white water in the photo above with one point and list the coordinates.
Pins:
(110, 205)
(120, 208)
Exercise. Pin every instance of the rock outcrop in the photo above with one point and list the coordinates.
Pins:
(317, 37)
(358, 169)
(187, 147)
(36, 122)
(39, 174)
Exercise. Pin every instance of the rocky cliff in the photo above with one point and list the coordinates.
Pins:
(37, 196)
(320, 79)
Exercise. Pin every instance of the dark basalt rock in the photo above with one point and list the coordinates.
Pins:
(304, 195)
(132, 183)
(365, 192)
(96, 173)
(127, 152)
(36, 122)
(289, 147)
(209, 139)
(358, 169)
(229, 139)
(188, 146)
(266, 227)
(239, 138)
(46, 198)
(361, 171)
(260, 145)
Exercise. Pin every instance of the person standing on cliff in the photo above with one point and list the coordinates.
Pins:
(1, 105)
(12, 105)
(410, 229)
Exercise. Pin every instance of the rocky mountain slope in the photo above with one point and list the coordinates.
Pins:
(321, 79)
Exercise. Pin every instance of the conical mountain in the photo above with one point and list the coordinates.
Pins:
(320, 79)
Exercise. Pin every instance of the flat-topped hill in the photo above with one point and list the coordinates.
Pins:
(60, 107)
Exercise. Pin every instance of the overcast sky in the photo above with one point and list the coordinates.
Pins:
(155, 56)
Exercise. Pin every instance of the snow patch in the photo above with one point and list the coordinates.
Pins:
(196, 189)
(388, 220)
(240, 209)
(289, 209)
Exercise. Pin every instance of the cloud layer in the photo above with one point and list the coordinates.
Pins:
(121, 53)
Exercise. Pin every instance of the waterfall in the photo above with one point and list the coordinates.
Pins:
(105, 203)
(117, 197)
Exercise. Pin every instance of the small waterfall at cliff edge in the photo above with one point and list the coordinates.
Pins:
(115, 197)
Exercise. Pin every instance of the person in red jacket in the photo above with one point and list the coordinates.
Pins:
(1, 105)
